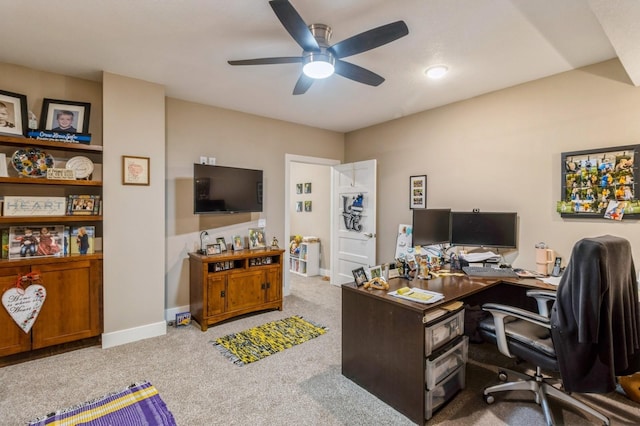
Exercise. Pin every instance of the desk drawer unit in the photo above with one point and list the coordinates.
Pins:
(442, 332)
(436, 397)
(445, 361)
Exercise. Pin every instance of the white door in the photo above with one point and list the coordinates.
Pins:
(353, 219)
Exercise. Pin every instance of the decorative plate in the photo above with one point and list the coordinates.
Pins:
(82, 166)
(31, 162)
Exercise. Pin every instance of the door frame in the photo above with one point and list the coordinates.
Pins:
(288, 159)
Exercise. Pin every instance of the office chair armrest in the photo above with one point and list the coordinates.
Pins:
(499, 313)
(543, 297)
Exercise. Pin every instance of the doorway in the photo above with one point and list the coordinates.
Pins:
(290, 197)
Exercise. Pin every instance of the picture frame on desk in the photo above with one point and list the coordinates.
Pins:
(56, 112)
(238, 242)
(359, 276)
(223, 244)
(14, 107)
(83, 205)
(418, 192)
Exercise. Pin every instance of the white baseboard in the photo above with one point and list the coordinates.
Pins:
(130, 335)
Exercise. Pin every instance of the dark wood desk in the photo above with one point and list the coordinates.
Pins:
(383, 337)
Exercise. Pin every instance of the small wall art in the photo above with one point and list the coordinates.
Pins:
(418, 192)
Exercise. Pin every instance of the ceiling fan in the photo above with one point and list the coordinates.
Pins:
(319, 59)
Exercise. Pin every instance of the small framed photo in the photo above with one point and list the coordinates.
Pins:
(135, 170)
(298, 206)
(13, 114)
(307, 188)
(359, 276)
(298, 188)
(418, 192)
(256, 238)
(223, 244)
(238, 242)
(65, 116)
(213, 249)
(307, 206)
(375, 272)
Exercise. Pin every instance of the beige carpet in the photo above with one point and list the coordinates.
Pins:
(300, 386)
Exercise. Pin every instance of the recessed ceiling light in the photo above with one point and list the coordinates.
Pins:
(436, 71)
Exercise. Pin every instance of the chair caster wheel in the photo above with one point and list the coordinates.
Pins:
(503, 376)
(489, 399)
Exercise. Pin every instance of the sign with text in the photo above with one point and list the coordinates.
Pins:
(33, 206)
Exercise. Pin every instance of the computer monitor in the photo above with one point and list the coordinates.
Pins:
(431, 226)
(482, 229)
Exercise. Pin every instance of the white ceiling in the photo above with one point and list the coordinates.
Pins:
(184, 45)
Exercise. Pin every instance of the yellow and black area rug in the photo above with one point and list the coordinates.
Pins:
(267, 339)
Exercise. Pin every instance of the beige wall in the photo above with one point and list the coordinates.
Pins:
(235, 139)
(501, 152)
(134, 219)
(317, 222)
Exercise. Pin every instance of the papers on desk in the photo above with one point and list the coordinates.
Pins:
(487, 256)
(551, 280)
(417, 295)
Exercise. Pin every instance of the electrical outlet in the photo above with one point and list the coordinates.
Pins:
(212, 161)
(203, 160)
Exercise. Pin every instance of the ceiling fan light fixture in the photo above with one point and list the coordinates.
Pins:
(436, 71)
(318, 65)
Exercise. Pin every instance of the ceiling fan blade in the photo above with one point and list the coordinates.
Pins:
(302, 85)
(356, 73)
(369, 39)
(295, 25)
(268, 61)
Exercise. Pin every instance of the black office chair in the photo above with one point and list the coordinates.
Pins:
(601, 279)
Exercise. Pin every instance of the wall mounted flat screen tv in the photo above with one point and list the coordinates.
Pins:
(431, 226)
(220, 189)
(484, 229)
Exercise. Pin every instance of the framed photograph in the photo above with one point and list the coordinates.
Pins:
(135, 170)
(238, 242)
(298, 188)
(65, 116)
(375, 272)
(359, 276)
(418, 192)
(14, 117)
(298, 206)
(256, 238)
(35, 241)
(307, 206)
(600, 183)
(223, 244)
(213, 249)
(307, 188)
(83, 205)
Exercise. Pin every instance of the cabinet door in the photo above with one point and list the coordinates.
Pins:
(245, 290)
(12, 339)
(274, 284)
(216, 294)
(71, 310)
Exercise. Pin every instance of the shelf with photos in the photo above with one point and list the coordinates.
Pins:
(62, 146)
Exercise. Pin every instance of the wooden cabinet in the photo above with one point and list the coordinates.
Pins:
(226, 285)
(72, 311)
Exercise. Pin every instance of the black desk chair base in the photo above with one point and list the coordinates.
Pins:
(541, 388)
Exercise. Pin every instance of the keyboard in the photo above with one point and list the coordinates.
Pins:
(487, 271)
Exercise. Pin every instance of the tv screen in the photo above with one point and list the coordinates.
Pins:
(484, 229)
(220, 189)
(431, 226)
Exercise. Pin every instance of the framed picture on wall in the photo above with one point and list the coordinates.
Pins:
(298, 206)
(418, 192)
(307, 188)
(298, 188)
(307, 206)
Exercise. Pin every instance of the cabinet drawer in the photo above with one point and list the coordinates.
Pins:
(445, 361)
(435, 398)
(443, 331)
